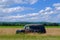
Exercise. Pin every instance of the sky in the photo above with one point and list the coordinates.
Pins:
(30, 11)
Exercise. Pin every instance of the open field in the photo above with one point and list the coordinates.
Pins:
(23, 26)
(12, 31)
(28, 37)
(10, 34)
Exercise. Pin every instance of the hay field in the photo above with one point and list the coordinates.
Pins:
(10, 34)
(12, 31)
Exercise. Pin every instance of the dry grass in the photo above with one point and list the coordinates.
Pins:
(12, 31)
(53, 31)
(8, 31)
(10, 34)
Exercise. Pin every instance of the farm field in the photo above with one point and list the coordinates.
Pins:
(9, 33)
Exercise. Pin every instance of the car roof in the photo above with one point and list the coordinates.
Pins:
(33, 25)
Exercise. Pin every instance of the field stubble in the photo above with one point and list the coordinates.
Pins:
(10, 34)
(12, 31)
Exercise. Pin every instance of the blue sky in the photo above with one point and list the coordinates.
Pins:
(30, 10)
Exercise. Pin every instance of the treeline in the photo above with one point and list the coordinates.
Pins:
(24, 23)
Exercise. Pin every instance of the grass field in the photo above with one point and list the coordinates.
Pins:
(28, 37)
(9, 33)
(23, 26)
(11, 26)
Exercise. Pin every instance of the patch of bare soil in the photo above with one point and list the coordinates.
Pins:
(12, 31)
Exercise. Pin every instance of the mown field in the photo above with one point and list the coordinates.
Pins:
(9, 33)
(28, 37)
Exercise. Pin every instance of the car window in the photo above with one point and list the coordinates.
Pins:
(27, 27)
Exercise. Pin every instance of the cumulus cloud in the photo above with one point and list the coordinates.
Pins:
(48, 9)
(14, 9)
(10, 2)
(48, 14)
(25, 1)
(5, 4)
(56, 4)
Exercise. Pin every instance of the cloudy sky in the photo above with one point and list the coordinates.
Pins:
(30, 10)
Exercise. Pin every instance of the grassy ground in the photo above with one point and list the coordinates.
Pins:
(51, 35)
(23, 26)
(28, 37)
(52, 26)
(11, 26)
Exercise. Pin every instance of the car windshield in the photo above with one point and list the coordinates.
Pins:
(26, 27)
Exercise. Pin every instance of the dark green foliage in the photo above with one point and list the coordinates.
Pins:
(24, 23)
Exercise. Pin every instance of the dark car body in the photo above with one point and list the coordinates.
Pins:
(32, 28)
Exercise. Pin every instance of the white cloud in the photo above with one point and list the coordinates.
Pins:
(48, 14)
(25, 1)
(42, 14)
(6, 6)
(32, 14)
(33, 18)
(14, 9)
(57, 8)
(22, 16)
(33, 1)
(10, 2)
(41, 11)
(48, 9)
(56, 5)
(1, 1)
(7, 11)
